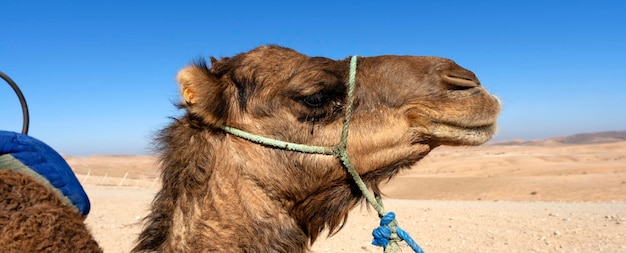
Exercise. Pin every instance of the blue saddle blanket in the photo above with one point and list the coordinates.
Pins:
(28, 155)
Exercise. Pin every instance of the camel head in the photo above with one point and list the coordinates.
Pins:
(404, 106)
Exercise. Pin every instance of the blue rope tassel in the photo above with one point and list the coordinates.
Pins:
(383, 233)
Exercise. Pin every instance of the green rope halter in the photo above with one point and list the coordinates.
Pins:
(338, 151)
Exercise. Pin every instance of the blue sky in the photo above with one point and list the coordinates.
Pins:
(99, 75)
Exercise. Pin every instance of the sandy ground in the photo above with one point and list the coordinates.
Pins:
(551, 198)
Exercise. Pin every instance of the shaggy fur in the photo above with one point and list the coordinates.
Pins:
(224, 194)
(33, 219)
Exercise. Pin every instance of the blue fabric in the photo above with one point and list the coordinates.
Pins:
(42, 159)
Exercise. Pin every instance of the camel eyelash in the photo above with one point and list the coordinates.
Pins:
(316, 100)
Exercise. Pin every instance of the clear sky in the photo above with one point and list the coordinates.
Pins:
(99, 76)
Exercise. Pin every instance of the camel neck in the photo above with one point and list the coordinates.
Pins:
(234, 216)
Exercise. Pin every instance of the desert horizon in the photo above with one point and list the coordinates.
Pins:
(582, 167)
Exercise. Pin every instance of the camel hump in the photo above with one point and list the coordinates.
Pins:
(34, 158)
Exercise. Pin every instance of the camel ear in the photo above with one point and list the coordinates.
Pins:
(204, 94)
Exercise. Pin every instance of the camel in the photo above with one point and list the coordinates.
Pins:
(42, 205)
(223, 193)
(33, 219)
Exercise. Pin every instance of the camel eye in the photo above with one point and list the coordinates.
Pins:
(316, 100)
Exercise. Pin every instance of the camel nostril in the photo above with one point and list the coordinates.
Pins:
(458, 82)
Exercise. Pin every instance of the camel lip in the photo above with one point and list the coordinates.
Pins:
(478, 123)
(456, 135)
(475, 125)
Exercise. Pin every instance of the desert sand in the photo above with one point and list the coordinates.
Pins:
(495, 198)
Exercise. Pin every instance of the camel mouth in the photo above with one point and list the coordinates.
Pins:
(453, 134)
(470, 122)
(456, 131)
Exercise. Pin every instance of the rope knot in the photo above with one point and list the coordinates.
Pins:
(386, 233)
(382, 234)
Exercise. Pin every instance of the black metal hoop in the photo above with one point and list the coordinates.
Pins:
(20, 96)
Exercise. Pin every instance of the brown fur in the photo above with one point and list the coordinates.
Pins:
(33, 219)
(224, 194)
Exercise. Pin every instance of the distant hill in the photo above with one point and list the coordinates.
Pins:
(577, 139)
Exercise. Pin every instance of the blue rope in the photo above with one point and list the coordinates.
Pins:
(382, 234)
